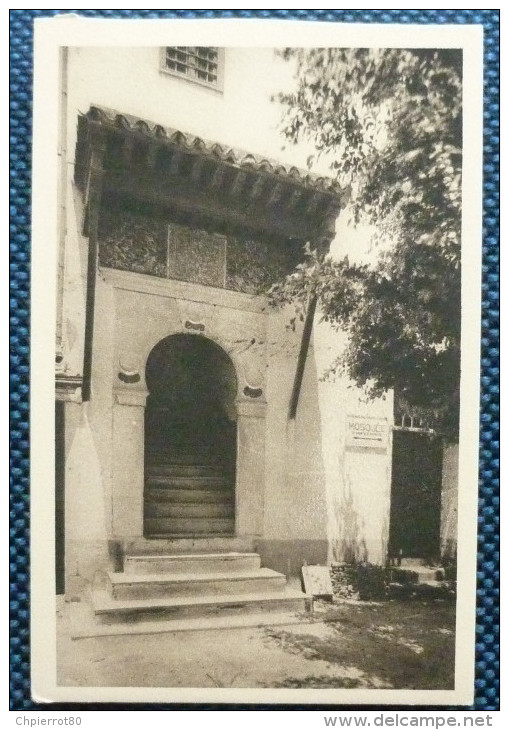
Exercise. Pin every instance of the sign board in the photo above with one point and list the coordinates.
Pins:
(317, 581)
(363, 432)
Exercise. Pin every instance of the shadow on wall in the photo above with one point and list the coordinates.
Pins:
(349, 546)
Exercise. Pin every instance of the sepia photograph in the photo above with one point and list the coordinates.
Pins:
(264, 287)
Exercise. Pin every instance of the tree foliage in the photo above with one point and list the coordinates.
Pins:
(389, 123)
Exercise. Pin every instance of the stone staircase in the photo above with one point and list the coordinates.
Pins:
(189, 499)
(197, 590)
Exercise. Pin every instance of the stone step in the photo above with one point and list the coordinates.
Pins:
(202, 458)
(184, 510)
(185, 470)
(187, 527)
(165, 481)
(85, 624)
(191, 563)
(190, 495)
(417, 574)
(186, 545)
(140, 586)
(429, 589)
(108, 609)
(412, 562)
(416, 563)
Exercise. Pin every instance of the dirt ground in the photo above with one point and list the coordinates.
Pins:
(389, 645)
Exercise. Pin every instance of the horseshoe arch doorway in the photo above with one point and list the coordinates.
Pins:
(190, 439)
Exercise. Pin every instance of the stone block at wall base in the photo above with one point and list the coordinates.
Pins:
(288, 556)
(83, 560)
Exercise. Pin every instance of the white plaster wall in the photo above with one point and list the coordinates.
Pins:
(129, 80)
(294, 489)
(358, 483)
(89, 449)
(449, 509)
(75, 276)
(88, 437)
(86, 534)
(317, 489)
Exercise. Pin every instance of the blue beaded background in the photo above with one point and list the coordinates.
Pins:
(21, 30)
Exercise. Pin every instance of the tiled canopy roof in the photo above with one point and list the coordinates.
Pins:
(193, 143)
(122, 155)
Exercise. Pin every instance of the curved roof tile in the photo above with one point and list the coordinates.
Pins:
(144, 128)
(121, 121)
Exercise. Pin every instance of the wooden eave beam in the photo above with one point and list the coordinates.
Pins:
(217, 177)
(313, 203)
(257, 188)
(238, 183)
(152, 153)
(276, 194)
(189, 198)
(197, 169)
(295, 197)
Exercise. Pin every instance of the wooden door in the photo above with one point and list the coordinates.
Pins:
(415, 496)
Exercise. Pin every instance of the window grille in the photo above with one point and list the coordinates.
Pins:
(408, 422)
(196, 63)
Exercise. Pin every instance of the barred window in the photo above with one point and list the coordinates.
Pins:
(200, 64)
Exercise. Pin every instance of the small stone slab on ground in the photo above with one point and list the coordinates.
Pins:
(317, 581)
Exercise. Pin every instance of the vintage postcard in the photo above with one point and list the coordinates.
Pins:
(255, 361)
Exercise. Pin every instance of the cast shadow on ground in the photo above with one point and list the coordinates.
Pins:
(378, 645)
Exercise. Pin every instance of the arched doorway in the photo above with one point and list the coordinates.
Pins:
(190, 439)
